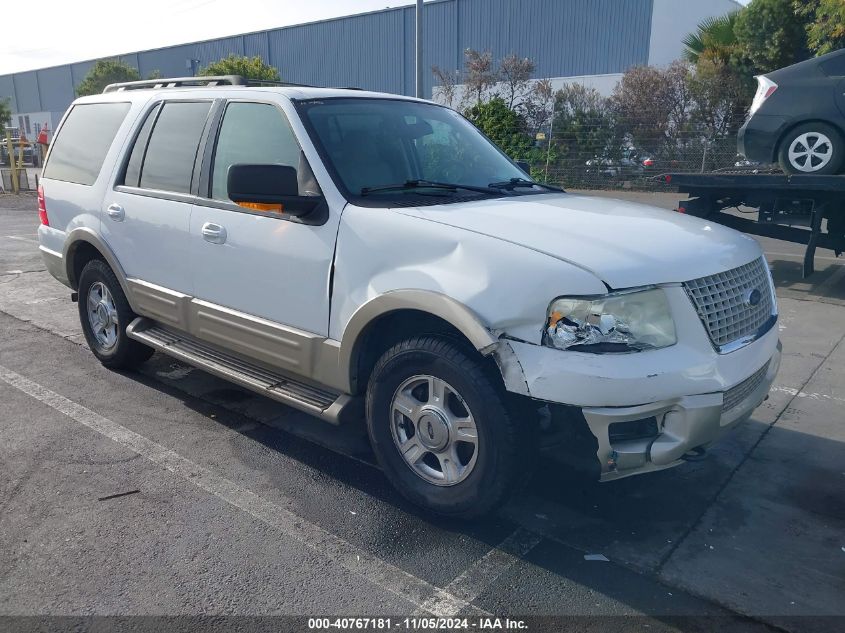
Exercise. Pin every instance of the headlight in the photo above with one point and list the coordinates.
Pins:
(619, 322)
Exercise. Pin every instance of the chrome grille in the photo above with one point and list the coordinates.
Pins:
(740, 392)
(721, 301)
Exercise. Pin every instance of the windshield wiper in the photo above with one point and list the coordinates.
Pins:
(513, 183)
(428, 184)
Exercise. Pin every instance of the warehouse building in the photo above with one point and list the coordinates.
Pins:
(592, 41)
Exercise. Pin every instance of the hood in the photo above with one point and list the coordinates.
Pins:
(624, 244)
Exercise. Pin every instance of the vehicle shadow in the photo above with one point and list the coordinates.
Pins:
(827, 283)
(636, 523)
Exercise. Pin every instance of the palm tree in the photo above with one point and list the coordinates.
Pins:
(714, 39)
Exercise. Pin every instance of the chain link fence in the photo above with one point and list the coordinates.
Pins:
(587, 161)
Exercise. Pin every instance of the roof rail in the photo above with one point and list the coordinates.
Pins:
(195, 82)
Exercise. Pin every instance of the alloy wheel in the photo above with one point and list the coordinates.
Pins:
(434, 430)
(102, 315)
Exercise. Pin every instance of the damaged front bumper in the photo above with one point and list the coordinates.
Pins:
(648, 410)
(673, 428)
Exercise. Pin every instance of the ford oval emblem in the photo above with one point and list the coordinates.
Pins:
(752, 298)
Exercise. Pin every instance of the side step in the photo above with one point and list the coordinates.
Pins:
(323, 403)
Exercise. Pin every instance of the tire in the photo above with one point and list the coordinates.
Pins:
(110, 344)
(463, 478)
(826, 150)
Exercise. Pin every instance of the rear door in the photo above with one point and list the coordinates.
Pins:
(146, 217)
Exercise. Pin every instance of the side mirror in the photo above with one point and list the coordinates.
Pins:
(524, 166)
(269, 188)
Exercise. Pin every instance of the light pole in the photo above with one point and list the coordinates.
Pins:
(419, 49)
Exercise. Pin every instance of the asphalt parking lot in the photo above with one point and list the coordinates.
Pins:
(170, 492)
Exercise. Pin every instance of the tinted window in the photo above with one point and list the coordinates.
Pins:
(257, 133)
(133, 167)
(172, 149)
(80, 148)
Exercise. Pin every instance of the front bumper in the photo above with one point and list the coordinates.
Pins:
(678, 392)
(683, 424)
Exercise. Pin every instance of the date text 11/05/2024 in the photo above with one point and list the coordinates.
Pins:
(415, 624)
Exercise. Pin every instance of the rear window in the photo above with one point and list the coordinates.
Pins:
(83, 141)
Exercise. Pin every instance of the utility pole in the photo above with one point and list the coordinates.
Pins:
(419, 47)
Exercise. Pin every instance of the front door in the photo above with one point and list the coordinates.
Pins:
(261, 278)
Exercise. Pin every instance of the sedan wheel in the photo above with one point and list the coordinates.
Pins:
(810, 152)
(812, 148)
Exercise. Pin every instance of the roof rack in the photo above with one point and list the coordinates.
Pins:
(196, 82)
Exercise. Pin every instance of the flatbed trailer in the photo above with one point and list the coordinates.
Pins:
(805, 209)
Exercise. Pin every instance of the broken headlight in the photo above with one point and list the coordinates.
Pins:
(619, 322)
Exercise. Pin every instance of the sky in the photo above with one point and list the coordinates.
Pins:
(79, 30)
(62, 32)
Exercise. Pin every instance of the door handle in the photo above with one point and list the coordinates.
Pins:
(213, 233)
(116, 212)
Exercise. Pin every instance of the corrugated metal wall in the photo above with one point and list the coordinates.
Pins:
(376, 50)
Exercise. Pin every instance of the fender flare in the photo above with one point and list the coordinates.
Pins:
(84, 234)
(464, 319)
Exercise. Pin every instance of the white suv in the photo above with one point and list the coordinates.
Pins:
(341, 251)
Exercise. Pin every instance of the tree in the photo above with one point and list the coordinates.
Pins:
(771, 34)
(447, 85)
(248, 67)
(824, 22)
(481, 76)
(504, 126)
(536, 109)
(584, 125)
(105, 72)
(714, 40)
(720, 99)
(5, 116)
(655, 107)
(515, 73)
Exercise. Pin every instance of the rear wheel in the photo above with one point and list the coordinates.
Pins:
(104, 313)
(812, 148)
(440, 428)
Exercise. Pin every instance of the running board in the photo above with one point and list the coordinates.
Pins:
(323, 403)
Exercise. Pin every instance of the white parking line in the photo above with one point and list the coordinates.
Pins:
(21, 239)
(476, 578)
(422, 594)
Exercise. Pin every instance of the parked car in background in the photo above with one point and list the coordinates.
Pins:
(358, 255)
(797, 117)
(631, 164)
(30, 154)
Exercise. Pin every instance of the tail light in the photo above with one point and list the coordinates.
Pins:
(42, 207)
(648, 162)
(765, 89)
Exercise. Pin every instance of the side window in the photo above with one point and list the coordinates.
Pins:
(168, 163)
(132, 177)
(257, 133)
(83, 141)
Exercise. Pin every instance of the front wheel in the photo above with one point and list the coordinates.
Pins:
(104, 314)
(440, 429)
(812, 148)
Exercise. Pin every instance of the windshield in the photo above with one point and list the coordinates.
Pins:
(375, 146)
